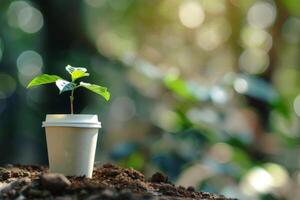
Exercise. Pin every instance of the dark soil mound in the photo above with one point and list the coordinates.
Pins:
(109, 182)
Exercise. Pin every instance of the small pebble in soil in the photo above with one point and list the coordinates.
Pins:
(159, 178)
(107, 194)
(5, 174)
(191, 189)
(54, 182)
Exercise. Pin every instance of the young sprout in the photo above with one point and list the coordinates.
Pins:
(64, 85)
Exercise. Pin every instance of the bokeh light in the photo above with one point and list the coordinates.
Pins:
(219, 95)
(29, 64)
(297, 105)
(262, 14)
(257, 180)
(30, 20)
(279, 175)
(254, 61)
(191, 14)
(13, 12)
(213, 34)
(241, 85)
(22, 15)
(256, 38)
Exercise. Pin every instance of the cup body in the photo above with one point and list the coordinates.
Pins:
(71, 143)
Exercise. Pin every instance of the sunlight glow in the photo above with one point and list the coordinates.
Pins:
(256, 38)
(257, 180)
(29, 64)
(240, 85)
(279, 175)
(213, 34)
(254, 61)
(261, 15)
(297, 105)
(219, 95)
(191, 14)
(22, 15)
(13, 10)
(208, 38)
(30, 19)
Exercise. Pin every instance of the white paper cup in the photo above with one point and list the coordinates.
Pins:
(71, 143)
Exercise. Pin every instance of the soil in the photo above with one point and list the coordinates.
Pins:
(109, 182)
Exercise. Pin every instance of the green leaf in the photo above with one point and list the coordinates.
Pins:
(43, 79)
(178, 86)
(64, 85)
(97, 89)
(77, 72)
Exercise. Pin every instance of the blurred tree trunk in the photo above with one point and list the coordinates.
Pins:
(262, 107)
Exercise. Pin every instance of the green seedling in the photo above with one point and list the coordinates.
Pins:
(64, 85)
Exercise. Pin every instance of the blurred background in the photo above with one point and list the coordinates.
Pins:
(206, 91)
